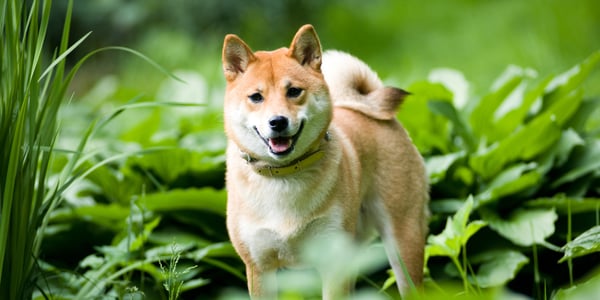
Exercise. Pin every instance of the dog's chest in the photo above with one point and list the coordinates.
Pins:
(277, 240)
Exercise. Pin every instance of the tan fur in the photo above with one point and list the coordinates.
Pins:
(370, 173)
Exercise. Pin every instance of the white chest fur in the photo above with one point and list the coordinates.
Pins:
(283, 214)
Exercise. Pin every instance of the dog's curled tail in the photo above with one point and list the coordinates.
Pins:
(352, 84)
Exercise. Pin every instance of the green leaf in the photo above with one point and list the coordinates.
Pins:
(564, 84)
(140, 239)
(206, 199)
(446, 109)
(586, 161)
(562, 203)
(428, 131)
(589, 289)
(512, 180)
(510, 121)
(523, 227)
(214, 250)
(482, 117)
(110, 216)
(437, 166)
(559, 153)
(587, 117)
(586, 243)
(456, 233)
(498, 267)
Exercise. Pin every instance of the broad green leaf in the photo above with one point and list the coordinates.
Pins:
(167, 235)
(437, 166)
(514, 118)
(498, 267)
(92, 261)
(564, 84)
(205, 199)
(585, 162)
(587, 117)
(446, 109)
(110, 216)
(428, 131)
(560, 152)
(512, 180)
(214, 250)
(523, 227)
(455, 82)
(482, 117)
(586, 243)
(589, 289)
(562, 203)
(194, 283)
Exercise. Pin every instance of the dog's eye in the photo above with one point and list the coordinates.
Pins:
(256, 98)
(293, 92)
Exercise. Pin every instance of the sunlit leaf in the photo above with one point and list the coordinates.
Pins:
(589, 289)
(523, 227)
(498, 267)
(428, 131)
(456, 233)
(437, 166)
(584, 244)
(482, 117)
(110, 215)
(214, 250)
(565, 83)
(587, 161)
(508, 182)
(565, 204)
(462, 129)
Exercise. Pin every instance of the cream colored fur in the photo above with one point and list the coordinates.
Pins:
(371, 177)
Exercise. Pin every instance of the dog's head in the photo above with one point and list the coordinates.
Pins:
(277, 103)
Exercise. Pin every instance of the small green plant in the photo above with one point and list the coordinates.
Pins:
(173, 280)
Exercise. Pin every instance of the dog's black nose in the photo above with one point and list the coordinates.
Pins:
(278, 123)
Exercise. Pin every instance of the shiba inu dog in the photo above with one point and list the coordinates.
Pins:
(313, 149)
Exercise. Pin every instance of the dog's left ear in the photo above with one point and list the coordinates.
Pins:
(306, 48)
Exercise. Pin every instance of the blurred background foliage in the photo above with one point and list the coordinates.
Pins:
(402, 40)
(153, 189)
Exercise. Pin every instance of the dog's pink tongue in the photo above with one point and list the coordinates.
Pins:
(279, 145)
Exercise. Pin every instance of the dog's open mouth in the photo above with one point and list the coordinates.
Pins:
(281, 145)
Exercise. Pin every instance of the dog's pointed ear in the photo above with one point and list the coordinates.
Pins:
(306, 48)
(236, 57)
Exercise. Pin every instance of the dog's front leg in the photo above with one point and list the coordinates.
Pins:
(261, 283)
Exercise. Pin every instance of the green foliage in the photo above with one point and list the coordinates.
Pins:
(585, 244)
(525, 158)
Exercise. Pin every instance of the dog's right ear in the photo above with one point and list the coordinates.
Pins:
(236, 57)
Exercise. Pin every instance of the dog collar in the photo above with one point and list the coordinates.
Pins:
(296, 166)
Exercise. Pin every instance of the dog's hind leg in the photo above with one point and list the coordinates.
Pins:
(403, 235)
